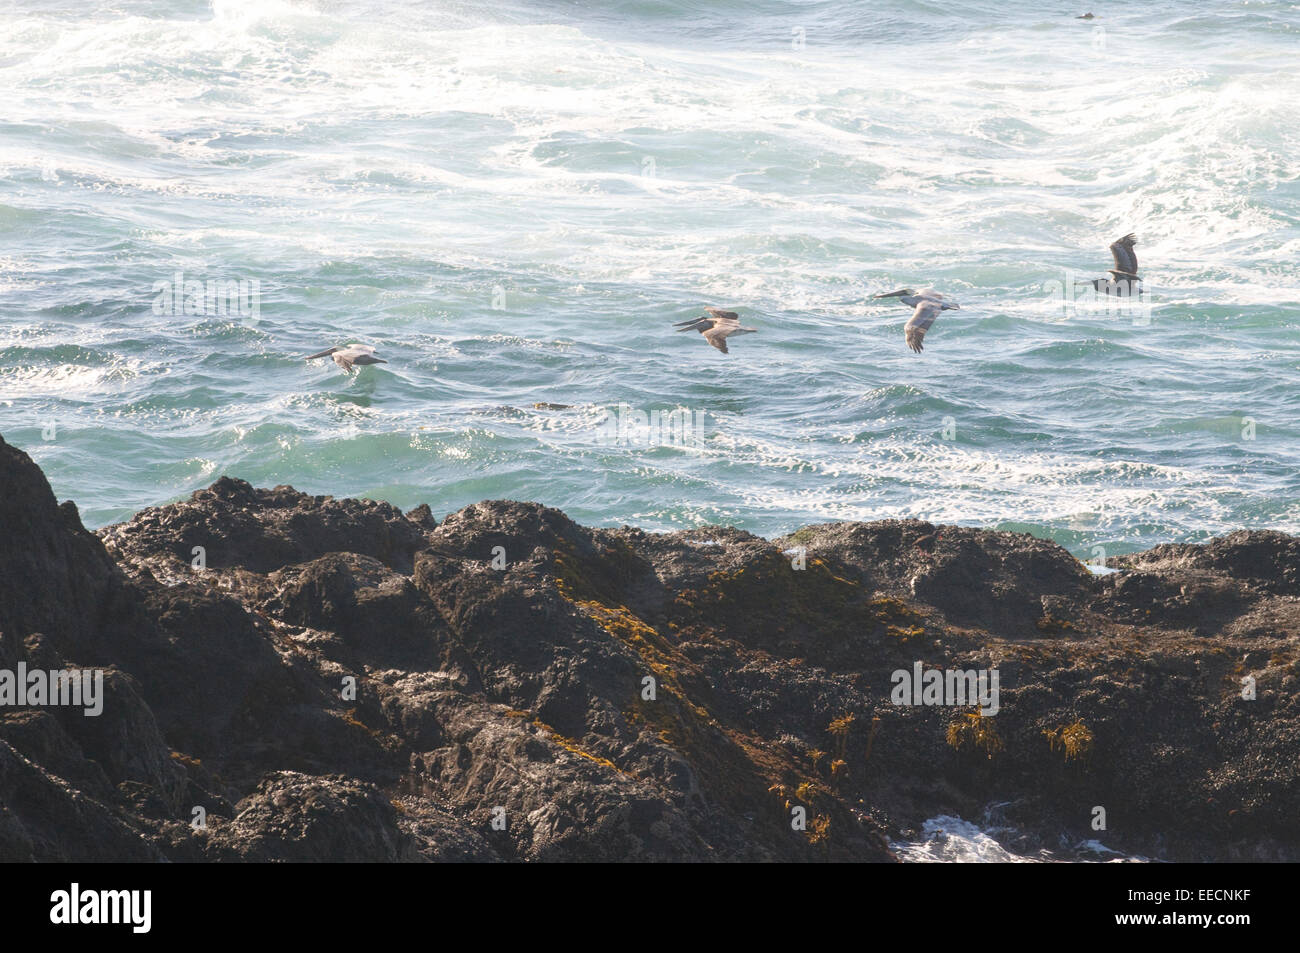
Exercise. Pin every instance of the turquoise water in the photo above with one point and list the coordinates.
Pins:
(513, 201)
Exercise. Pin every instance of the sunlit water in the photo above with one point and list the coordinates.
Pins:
(514, 201)
(951, 840)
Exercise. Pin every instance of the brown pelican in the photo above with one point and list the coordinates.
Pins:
(716, 327)
(345, 357)
(1124, 278)
(928, 304)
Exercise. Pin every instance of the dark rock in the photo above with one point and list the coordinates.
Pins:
(56, 577)
(297, 817)
(990, 580)
(262, 530)
(345, 682)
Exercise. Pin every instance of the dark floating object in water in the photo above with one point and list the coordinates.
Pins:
(928, 304)
(716, 327)
(1087, 16)
(547, 405)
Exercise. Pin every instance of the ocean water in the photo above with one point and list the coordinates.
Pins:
(950, 840)
(513, 201)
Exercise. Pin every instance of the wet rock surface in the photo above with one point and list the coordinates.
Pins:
(337, 680)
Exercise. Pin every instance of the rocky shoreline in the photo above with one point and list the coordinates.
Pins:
(332, 679)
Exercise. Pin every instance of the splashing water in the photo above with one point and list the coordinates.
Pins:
(514, 203)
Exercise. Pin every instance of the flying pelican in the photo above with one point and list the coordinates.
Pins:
(345, 357)
(928, 304)
(716, 328)
(1124, 278)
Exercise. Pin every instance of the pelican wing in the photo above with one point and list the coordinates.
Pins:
(1126, 262)
(920, 322)
(723, 315)
(717, 335)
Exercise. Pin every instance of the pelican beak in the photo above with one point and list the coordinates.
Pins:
(894, 294)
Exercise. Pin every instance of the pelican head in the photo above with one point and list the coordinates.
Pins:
(896, 294)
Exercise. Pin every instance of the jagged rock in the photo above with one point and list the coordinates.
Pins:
(37, 735)
(990, 580)
(56, 577)
(345, 682)
(262, 530)
(126, 742)
(377, 613)
(1262, 558)
(46, 819)
(297, 817)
